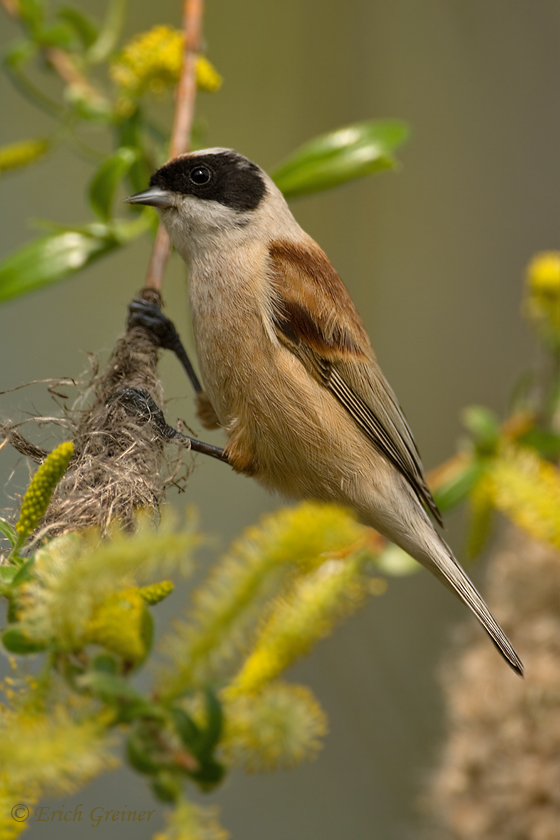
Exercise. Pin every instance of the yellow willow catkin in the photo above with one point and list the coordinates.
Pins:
(15, 155)
(156, 592)
(280, 727)
(229, 604)
(188, 821)
(299, 620)
(40, 490)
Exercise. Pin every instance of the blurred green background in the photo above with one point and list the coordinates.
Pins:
(434, 258)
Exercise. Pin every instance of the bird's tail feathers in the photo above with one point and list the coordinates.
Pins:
(445, 567)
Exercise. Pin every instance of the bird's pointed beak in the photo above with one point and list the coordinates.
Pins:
(154, 196)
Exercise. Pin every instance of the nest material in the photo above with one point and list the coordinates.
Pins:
(118, 465)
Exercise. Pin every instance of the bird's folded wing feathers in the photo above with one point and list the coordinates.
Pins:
(315, 318)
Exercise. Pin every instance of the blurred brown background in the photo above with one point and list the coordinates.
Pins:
(434, 257)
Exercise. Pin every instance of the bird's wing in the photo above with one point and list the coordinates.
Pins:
(315, 318)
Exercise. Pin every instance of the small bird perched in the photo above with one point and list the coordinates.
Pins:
(287, 365)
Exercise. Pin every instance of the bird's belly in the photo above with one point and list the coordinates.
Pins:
(284, 428)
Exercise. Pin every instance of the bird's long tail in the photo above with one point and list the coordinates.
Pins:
(441, 562)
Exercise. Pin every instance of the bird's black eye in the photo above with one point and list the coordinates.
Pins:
(200, 175)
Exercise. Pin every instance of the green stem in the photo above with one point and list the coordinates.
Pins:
(32, 93)
(109, 34)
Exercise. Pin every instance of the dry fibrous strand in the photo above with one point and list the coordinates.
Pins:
(119, 465)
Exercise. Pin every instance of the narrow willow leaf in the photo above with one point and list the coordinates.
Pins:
(52, 258)
(456, 486)
(19, 54)
(8, 573)
(82, 24)
(339, 156)
(115, 689)
(49, 259)
(16, 155)
(8, 531)
(58, 35)
(110, 32)
(484, 427)
(32, 12)
(106, 179)
(15, 640)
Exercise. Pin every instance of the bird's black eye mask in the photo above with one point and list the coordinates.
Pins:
(230, 179)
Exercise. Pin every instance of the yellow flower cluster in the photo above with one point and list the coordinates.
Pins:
(40, 490)
(151, 63)
(543, 293)
(527, 490)
(15, 155)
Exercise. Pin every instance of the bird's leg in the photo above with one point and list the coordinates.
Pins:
(139, 403)
(141, 313)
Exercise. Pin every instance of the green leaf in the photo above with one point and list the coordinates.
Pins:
(15, 640)
(110, 32)
(546, 443)
(186, 727)
(106, 179)
(166, 788)
(481, 514)
(24, 572)
(340, 156)
(139, 757)
(58, 35)
(82, 24)
(114, 689)
(52, 258)
(210, 735)
(130, 131)
(110, 687)
(19, 54)
(484, 427)
(210, 774)
(32, 12)
(394, 561)
(8, 573)
(456, 490)
(105, 663)
(9, 532)
(23, 153)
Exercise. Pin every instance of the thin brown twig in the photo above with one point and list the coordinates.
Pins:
(66, 68)
(11, 7)
(182, 124)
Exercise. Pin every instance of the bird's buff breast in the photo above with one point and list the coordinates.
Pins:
(274, 413)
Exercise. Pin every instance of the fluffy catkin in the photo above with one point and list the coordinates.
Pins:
(499, 773)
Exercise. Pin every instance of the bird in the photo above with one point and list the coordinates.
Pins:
(288, 368)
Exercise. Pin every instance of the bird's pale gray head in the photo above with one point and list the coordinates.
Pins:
(219, 175)
(205, 194)
(214, 175)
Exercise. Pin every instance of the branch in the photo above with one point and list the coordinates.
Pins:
(182, 125)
